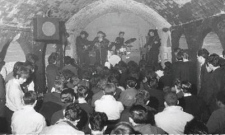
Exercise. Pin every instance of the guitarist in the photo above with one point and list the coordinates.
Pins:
(101, 47)
(83, 46)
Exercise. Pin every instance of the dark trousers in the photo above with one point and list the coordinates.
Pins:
(8, 115)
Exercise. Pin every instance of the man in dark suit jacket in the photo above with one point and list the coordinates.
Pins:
(218, 78)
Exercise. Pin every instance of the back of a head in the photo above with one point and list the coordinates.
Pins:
(32, 58)
(203, 52)
(82, 91)
(139, 114)
(52, 59)
(109, 89)
(123, 128)
(142, 97)
(131, 82)
(22, 71)
(73, 112)
(98, 121)
(67, 96)
(214, 59)
(29, 98)
(113, 79)
(186, 87)
(220, 96)
(180, 55)
(195, 127)
(171, 98)
(67, 60)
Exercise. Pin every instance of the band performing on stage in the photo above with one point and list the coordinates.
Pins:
(101, 50)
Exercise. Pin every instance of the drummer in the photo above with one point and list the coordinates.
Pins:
(119, 41)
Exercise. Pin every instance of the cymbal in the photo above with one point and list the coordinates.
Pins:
(129, 45)
(130, 40)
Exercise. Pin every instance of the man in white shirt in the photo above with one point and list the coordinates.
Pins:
(108, 103)
(172, 119)
(27, 120)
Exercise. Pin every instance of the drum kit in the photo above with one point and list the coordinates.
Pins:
(127, 46)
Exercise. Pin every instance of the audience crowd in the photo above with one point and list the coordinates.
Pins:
(128, 98)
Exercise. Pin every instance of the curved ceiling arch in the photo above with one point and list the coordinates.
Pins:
(81, 19)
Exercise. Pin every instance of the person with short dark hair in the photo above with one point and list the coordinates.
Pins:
(51, 71)
(82, 93)
(68, 65)
(216, 122)
(67, 97)
(98, 123)
(172, 119)
(127, 97)
(83, 48)
(119, 40)
(204, 78)
(195, 127)
(68, 125)
(27, 120)
(124, 128)
(217, 83)
(143, 120)
(108, 104)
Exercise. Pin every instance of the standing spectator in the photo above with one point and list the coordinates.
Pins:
(27, 120)
(172, 119)
(68, 65)
(218, 79)
(82, 93)
(216, 122)
(51, 71)
(14, 93)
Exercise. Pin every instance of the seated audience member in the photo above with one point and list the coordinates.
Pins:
(130, 92)
(216, 122)
(191, 103)
(51, 71)
(143, 120)
(154, 92)
(27, 120)
(167, 79)
(98, 123)
(172, 119)
(68, 125)
(82, 93)
(108, 104)
(195, 127)
(100, 86)
(123, 128)
(14, 93)
(52, 102)
(69, 66)
(54, 96)
(143, 98)
(67, 97)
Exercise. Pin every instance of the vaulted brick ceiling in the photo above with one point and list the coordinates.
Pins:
(175, 12)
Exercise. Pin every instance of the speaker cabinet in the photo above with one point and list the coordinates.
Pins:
(46, 29)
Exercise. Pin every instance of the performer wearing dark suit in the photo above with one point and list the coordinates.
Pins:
(119, 40)
(83, 46)
(101, 47)
(152, 46)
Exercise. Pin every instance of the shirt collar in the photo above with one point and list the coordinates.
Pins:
(29, 107)
(108, 97)
(81, 100)
(170, 108)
